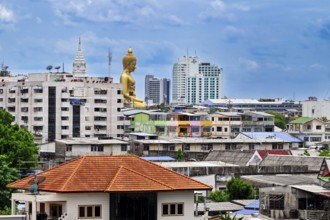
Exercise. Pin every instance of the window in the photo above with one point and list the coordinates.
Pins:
(318, 127)
(277, 146)
(69, 147)
(118, 100)
(119, 92)
(89, 211)
(219, 129)
(64, 109)
(186, 147)
(145, 147)
(95, 147)
(315, 139)
(207, 146)
(251, 147)
(37, 100)
(170, 209)
(230, 146)
(124, 147)
(308, 127)
(1, 91)
(276, 202)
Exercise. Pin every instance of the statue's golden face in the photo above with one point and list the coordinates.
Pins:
(132, 66)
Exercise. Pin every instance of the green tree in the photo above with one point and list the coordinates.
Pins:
(279, 119)
(306, 153)
(16, 143)
(179, 154)
(325, 152)
(239, 189)
(17, 152)
(228, 217)
(7, 175)
(218, 196)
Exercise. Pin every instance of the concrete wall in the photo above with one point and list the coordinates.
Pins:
(185, 197)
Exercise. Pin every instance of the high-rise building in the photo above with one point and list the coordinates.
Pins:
(157, 91)
(194, 81)
(63, 105)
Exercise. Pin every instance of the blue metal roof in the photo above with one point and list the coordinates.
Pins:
(245, 212)
(253, 205)
(158, 158)
(275, 135)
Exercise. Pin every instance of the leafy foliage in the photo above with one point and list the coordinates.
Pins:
(306, 153)
(228, 217)
(239, 189)
(7, 175)
(279, 119)
(325, 152)
(16, 143)
(219, 196)
(179, 154)
(17, 152)
(235, 189)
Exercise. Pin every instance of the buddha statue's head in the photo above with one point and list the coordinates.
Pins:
(129, 60)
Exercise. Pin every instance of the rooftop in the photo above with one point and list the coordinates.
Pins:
(110, 174)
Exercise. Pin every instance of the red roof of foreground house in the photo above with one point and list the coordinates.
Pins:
(263, 153)
(110, 174)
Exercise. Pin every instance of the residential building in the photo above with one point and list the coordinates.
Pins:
(311, 130)
(230, 124)
(195, 81)
(62, 105)
(157, 91)
(108, 187)
(316, 109)
(70, 148)
(287, 107)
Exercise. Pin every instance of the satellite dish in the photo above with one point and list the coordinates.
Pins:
(49, 67)
(34, 182)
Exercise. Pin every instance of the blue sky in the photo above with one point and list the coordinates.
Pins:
(267, 48)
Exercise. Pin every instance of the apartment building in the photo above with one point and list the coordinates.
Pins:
(157, 91)
(61, 105)
(195, 81)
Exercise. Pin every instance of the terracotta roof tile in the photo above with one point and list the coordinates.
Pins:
(111, 174)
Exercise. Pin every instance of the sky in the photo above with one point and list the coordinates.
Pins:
(267, 48)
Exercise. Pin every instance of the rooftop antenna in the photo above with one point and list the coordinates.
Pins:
(34, 182)
(187, 52)
(109, 61)
(63, 68)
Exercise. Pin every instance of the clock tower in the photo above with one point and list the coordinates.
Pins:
(79, 64)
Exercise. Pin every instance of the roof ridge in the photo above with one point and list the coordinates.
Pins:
(73, 173)
(164, 168)
(150, 178)
(115, 177)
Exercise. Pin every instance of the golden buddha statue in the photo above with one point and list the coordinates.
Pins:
(128, 82)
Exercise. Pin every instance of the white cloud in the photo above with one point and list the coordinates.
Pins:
(249, 64)
(6, 15)
(130, 11)
(218, 5)
(317, 66)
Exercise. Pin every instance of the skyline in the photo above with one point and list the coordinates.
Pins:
(256, 43)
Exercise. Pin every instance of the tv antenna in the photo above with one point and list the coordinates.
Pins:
(34, 182)
(109, 61)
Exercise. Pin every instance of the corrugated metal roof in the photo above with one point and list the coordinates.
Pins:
(219, 206)
(272, 135)
(281, 180)
(240, 158)
(158, 158)
(301, 120)
(313, 163)
(194, 164)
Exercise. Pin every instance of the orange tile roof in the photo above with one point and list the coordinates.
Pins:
(111, 174)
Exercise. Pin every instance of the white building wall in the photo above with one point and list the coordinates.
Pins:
(186, 197)
(83, 88)
(74, 200)
(316, 109)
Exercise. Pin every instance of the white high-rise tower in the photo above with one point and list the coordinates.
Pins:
(194, 81)
(79, 63)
